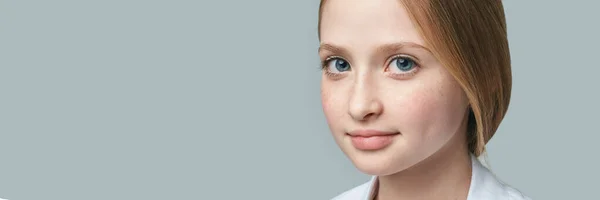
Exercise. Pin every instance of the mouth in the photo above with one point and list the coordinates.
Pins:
(371, 140)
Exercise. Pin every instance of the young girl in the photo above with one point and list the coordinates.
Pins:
(412, 91)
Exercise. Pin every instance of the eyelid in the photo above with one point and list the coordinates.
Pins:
(325, 63)
(403, 75)
(415, 59)
(329, 58)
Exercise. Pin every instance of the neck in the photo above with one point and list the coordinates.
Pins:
(444, 175)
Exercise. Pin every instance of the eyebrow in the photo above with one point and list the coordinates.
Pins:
(394, 47)
(337, 50)
(386, 48)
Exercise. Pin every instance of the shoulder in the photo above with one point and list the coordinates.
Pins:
(357, 193)
(494, 189)
(486, 185)
(514, 194)
(502, 191)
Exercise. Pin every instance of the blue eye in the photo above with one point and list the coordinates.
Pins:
(403, 64)
(337, 65)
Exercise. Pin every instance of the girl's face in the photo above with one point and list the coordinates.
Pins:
(388, 101)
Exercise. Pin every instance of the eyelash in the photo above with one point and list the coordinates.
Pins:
(410, 73)
(324, 66)
(396, 75)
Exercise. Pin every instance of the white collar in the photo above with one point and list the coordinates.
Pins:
(484, 186)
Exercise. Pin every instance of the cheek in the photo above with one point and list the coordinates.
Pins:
(332, 101)
(431, 112)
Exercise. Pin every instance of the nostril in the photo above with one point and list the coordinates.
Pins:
(368, 116)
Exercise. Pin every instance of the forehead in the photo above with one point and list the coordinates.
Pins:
(366, 23)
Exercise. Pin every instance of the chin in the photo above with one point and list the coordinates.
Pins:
(379, 163)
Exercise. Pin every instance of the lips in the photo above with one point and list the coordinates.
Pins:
(370, 140)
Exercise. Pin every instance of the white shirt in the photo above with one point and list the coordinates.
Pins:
(484, 186)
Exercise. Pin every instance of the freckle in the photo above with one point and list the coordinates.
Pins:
(441, 88)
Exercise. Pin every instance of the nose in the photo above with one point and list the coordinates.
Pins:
(364, 103)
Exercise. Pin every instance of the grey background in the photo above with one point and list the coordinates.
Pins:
(132, 99)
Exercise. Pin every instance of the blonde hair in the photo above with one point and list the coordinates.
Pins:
(470, 39)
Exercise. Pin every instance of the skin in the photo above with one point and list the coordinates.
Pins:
(425, 105)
